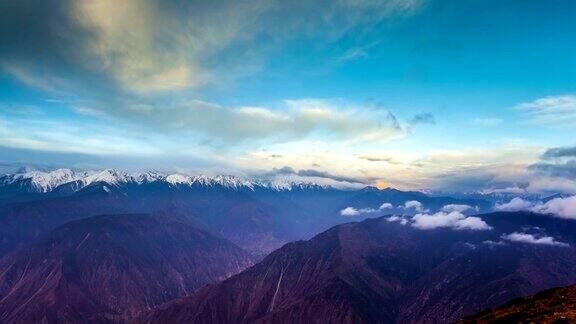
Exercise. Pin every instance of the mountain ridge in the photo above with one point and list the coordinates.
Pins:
(110, 267)
(44, 182)
(377, 271)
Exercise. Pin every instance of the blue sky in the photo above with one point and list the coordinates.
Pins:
(416, 94)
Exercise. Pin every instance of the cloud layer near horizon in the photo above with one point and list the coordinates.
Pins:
(563, 207)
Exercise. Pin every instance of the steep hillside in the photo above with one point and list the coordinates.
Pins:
(556, 305)
(378, 271)
(111, 267)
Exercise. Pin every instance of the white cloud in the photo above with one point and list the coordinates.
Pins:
(516, 204)
(397, 219)
(552, 184)
(508, 190)
(386, 206)
(292, 120)
(476, 168)
(531, 239)
(415, 205)
(454, 220)
(458, 208)
(552, 109)
(560, 207)
(349, 211)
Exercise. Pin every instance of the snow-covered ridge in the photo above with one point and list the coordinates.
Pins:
(39, 181)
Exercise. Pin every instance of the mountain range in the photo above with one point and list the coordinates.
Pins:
(107, 246)
(257, 215)
(380, 271)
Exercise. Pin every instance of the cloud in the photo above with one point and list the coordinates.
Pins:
(293, 120)
(458, 208)
(201, 122)
(386, 206)
(531, 239)
(566, 169)
(324, 174)
(357, 52)
(555, 172)
(286, 170)
(508, 190)
(423, 118)
(349, 211)
(454, 220)
(398, 219)
(516, 204)
(488, 122)
(557, 162)
(143, 64)
(413, 204)
(560, 207)
(552, 109)
(477, 169)
(387, 159)
(156, 46)
(560, 152)
(139, 55)
(549, 185)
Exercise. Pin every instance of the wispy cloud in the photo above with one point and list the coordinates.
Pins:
(556, 170)
(558, 110)
(423, 118)
(352, 211)
(560, 152)
(319, 119)
(286, 170)
(145, 47)
(532, 239)
(563, 207)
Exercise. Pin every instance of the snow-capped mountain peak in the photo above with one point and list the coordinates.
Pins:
(179, 179)
(109, 176)
(43, 182)
(150, 176)
(40, 181)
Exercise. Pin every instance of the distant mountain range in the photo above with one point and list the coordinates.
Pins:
(258, 215)
(56, 180)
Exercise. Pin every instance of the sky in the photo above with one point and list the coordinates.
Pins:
(414, 94)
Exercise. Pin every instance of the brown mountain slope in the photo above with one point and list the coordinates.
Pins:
(110, 267)
(376, 271)
(556, 305)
